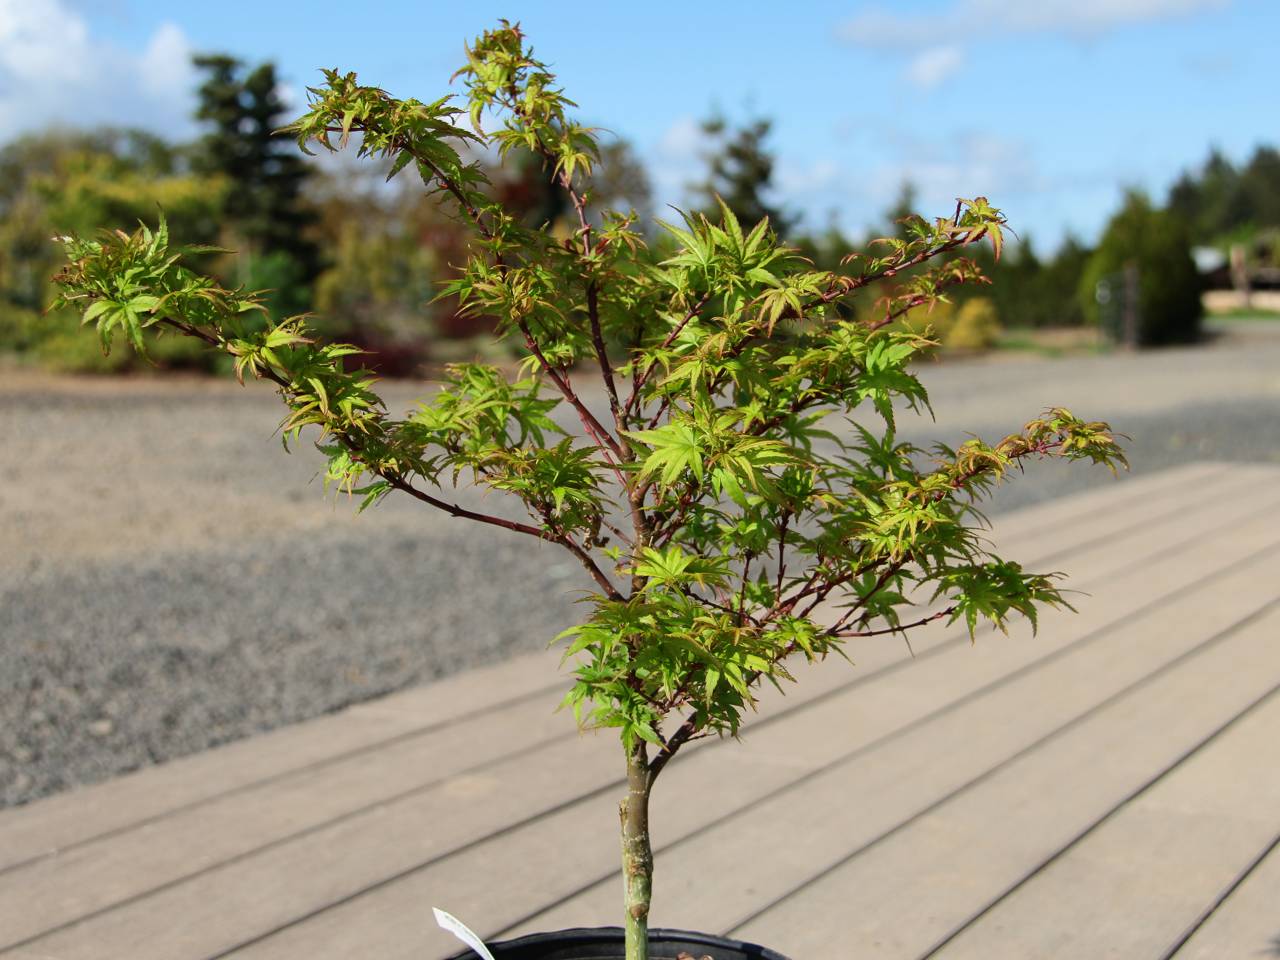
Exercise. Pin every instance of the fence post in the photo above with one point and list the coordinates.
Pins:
(1240, 275)
(1129, 316)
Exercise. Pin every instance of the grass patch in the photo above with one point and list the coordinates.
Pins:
(1245, 313)
(1052, 342)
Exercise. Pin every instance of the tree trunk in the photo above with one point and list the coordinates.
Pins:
(637, 856)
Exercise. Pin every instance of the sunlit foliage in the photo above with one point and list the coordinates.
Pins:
(727, 495)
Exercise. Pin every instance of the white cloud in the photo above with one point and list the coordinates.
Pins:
(879, 29)
(941, 168)
(294, 101)
(40, 41)
(970, 164)
(675, 160)
(1088, 16)
(165, 69)
(53, 71)
(931, 67)
(882, 29)
(682, 140)
(934, 42)
(798, 179)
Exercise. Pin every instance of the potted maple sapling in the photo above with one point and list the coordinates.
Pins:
(725, 528)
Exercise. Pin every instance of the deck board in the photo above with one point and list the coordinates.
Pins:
(69, 819)
(334, 838)
(945, 867)
(1245, 923)
(72, 818)
(1000, 710)
(1181, 841)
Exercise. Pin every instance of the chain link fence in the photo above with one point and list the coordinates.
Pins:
(1119, 307)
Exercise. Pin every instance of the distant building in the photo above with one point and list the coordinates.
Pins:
(1254, 265)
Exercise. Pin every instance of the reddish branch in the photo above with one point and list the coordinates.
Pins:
(847, 285)
(719, 606)
(452, 508)
(642, 376)
(676, 516)
(899, 629)
(602, 356)
(589, 422)
(782, 555)
(590, 565)
(688, 731)
(742, 593)
(613, 451)
(662, 408)
(593, 303)
(400, 483)
(593, 426)
(863, 600)
(635, 497)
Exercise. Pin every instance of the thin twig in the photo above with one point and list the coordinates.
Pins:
(742, 593)
(879, 585)
(400, 483)
(593, 303)
(641, 377)
(782, 552)
(452, 508)
(589, 422)
(893, 630)
(723, 608)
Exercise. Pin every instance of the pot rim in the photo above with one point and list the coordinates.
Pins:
(610, 935)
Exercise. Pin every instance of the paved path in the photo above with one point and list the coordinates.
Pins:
(1105, 789)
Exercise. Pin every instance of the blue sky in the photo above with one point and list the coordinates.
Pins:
(1049, 107)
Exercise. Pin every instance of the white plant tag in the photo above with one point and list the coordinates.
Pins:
(459, 929)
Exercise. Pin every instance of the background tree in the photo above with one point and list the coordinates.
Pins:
(387, 249)
(1025, 290)
(619, 181)
(740, 172)
(1221, 202)
(1212, 202)
(64, 182)
(1030, 291)
(1158, 244)
(1262, 187)
(270, 221)
(1059, 282)
(898, 216)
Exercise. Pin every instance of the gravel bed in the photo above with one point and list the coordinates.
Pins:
(171, 581)
(112, 666)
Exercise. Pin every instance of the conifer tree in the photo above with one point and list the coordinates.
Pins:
(740, 172)
(265, 206)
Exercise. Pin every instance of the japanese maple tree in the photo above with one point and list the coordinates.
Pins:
(726, 519)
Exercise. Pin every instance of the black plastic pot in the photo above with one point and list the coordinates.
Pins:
(607, 943)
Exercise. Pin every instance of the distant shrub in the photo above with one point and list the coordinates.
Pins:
(970, 325)
(976, 326)
(63, 348)
(934, 322)
(65, 182)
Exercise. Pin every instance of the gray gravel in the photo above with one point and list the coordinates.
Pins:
(169, 580)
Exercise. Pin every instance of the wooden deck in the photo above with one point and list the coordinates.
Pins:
(1110, 788)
